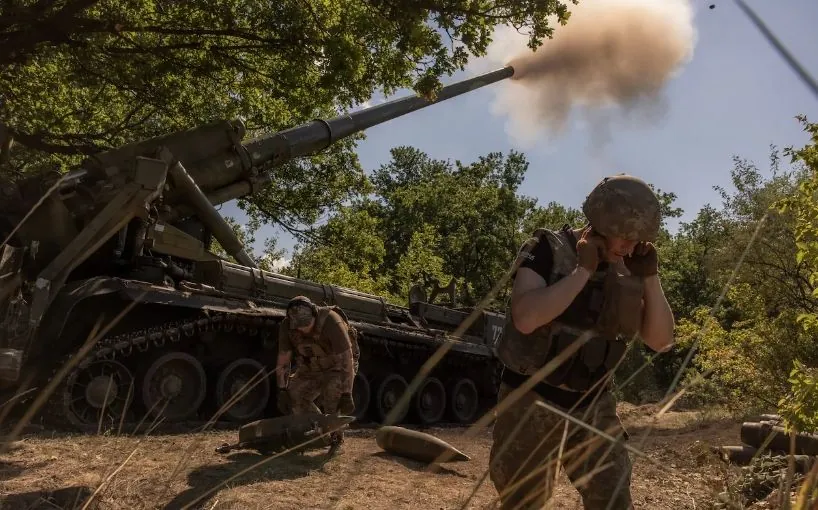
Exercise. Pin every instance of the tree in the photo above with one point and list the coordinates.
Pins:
(346, 251)
(752, 252)
(762, 236)
(799, 406)
(270, 258)
(553, 216)
(426, 218)
(473, 208)
(686, 262)
(80, 76)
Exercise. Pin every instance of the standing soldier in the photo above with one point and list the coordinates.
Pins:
(320, 338)
(598, 285)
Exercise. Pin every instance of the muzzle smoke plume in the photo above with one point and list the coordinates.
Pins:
(610, 53)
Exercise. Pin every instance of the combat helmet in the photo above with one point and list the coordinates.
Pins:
(294, 311)
(624, 206)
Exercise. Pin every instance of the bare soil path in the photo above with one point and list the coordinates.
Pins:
(170, 471)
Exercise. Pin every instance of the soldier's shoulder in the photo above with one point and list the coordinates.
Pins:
(327, 315)
(560, 237)
(552, 237)
(550, 233)
(328, 311)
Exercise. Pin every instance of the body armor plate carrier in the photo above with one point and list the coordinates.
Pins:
(609, 307)
(312, 355)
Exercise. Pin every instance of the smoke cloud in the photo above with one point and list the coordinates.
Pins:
(611, 55)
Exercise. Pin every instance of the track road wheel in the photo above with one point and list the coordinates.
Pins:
(174, 386)
(390, 389)
(242, 390)
(361, 395)
(98, 394)
(429, 401)
(464, 400)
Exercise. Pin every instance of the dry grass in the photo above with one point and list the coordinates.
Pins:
(361, 476)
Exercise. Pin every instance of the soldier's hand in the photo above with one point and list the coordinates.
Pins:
(346, 405)
(283, 401)
(644, 261)
(590, 248)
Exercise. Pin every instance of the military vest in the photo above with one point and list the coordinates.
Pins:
(608, 309)
(312, 354)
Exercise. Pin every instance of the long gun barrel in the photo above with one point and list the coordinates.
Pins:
(312, 137)
(225, 168)
(204, 166)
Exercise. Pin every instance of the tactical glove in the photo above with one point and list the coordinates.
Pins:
(346, 405)
(590, 248)
(283, 400)
(644, 261)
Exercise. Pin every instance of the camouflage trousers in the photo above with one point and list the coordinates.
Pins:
(524, 471)
(306, 386)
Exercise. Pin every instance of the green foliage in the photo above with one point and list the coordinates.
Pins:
(799, 407)
(430, 219)
(756, 251)
(803, 206)
(246, 234)
(81, 76)
(687, 262)
(349, 255)
(637, 379)
(746, 356)
(553, 216)
(420, 261)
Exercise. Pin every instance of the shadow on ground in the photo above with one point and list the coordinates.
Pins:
(67, 497)
(205, 478)
(415, 465)
(9, 470)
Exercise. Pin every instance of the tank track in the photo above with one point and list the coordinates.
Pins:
(140, 341)
(124, 345)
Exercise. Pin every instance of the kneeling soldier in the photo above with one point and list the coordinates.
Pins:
(325, 365)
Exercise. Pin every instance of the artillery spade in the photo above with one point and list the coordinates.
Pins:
(417, 445)
(296, 432)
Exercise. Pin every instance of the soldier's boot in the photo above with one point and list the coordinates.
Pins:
(336, 441)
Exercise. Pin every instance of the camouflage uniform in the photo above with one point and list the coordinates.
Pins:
(306, 386)
(524, 471)
(324, 358)
(530, 441)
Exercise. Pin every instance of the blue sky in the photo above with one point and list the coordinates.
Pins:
(736, 96)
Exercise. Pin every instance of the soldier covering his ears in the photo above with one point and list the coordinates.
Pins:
(326, 363)
(598, 285)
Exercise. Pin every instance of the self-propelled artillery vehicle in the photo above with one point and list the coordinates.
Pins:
(106, 273)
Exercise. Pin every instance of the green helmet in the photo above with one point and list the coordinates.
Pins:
(624, 206)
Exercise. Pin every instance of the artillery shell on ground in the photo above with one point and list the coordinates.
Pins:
(296, 432)
(745, 455)
(417, 445)
(741, 455)
(756, 434)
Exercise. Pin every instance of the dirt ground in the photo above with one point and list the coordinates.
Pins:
(172, 471)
